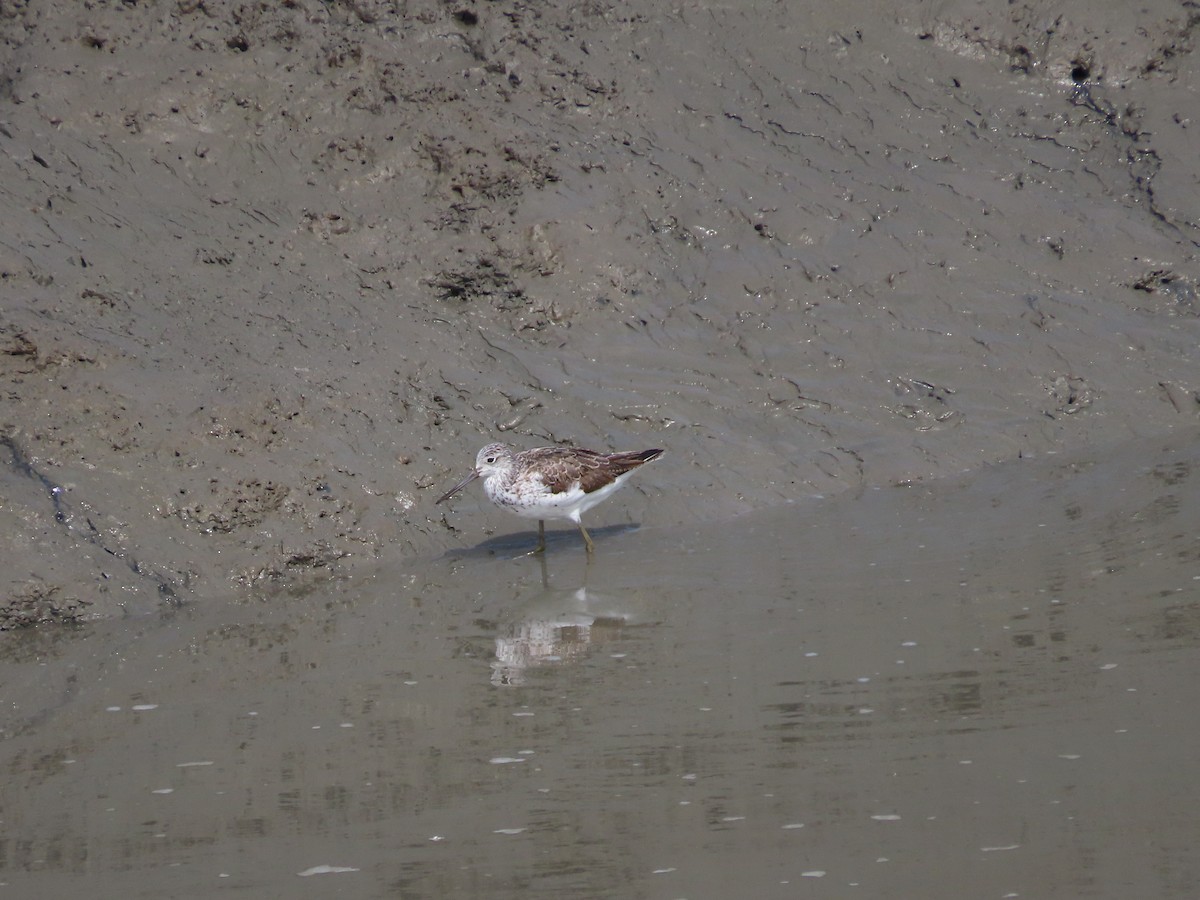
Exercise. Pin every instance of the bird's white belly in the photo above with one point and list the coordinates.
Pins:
(532, 500)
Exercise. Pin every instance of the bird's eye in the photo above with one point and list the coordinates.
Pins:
(491, 459)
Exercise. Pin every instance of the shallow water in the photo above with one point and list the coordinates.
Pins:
(980, 690)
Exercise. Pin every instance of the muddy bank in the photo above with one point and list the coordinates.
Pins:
(271, 274)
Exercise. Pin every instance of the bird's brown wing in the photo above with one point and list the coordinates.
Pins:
(562, 467)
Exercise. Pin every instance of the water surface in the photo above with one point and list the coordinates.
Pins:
(981, 690)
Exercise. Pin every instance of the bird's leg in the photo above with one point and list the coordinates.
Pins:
(587, 539)
(541, 547)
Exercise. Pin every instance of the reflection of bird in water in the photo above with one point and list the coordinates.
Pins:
(552, 637)
(551, 482)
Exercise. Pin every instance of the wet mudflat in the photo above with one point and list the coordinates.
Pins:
(978, 690)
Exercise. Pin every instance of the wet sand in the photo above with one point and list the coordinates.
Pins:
(897, 694)
(908, 293)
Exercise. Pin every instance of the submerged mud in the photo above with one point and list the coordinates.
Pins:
(890, 694)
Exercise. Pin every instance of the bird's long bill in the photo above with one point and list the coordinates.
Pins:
(458, 487)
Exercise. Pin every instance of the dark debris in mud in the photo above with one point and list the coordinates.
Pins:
(37, 603)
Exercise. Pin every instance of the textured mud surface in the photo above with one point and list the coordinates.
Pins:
(272, 273)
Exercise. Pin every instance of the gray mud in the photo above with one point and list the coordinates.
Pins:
(270, 274)
(273, 273)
